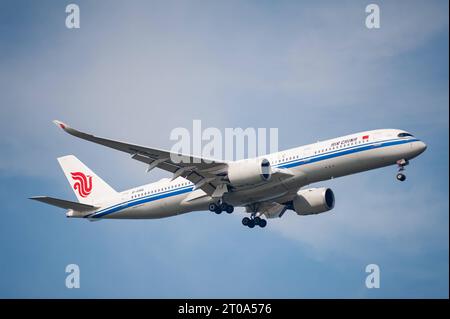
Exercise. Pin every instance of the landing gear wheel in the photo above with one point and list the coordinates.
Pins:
(223, 207)
(257, 220)
(212, 207)
(218, 211)
(245, 221)
(262, 223)
(251, 223)
(401, 167)
(229, 209)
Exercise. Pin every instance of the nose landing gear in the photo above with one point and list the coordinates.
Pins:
(401, 167)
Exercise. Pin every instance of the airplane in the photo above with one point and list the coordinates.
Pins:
(266, 186)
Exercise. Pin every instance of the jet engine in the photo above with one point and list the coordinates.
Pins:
(313, 201)
(249, 172)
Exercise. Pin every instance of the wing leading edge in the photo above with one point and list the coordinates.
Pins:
(205, 174)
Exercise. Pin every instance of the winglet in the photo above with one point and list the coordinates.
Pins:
(62, 125)
(66, 128)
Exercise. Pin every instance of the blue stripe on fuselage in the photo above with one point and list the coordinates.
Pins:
(344, 151)
(141, 200)
(294, 163)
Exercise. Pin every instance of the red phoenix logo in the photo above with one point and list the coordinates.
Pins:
(83, 183)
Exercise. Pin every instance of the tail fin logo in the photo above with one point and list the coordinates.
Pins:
(83, 183)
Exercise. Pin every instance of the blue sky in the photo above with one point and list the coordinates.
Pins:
(137, 69)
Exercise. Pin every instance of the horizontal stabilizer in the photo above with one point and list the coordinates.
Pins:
(64, 203)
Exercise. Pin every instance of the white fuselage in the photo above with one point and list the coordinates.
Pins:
(308, 164)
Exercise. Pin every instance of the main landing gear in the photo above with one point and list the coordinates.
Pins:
(220, 207)
(401, 167)
(254, 221)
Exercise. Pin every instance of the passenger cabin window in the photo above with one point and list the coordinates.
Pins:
(404, 134)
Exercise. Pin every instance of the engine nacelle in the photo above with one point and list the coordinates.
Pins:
(313, 201)
(249, 172)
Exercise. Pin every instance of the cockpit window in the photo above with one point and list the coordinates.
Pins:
(404, 134)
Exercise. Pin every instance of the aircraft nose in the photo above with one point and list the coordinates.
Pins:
(421, 147)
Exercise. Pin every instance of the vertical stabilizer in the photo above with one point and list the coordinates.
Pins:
(88, 187)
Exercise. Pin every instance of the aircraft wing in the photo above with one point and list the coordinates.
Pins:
(205, 174)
